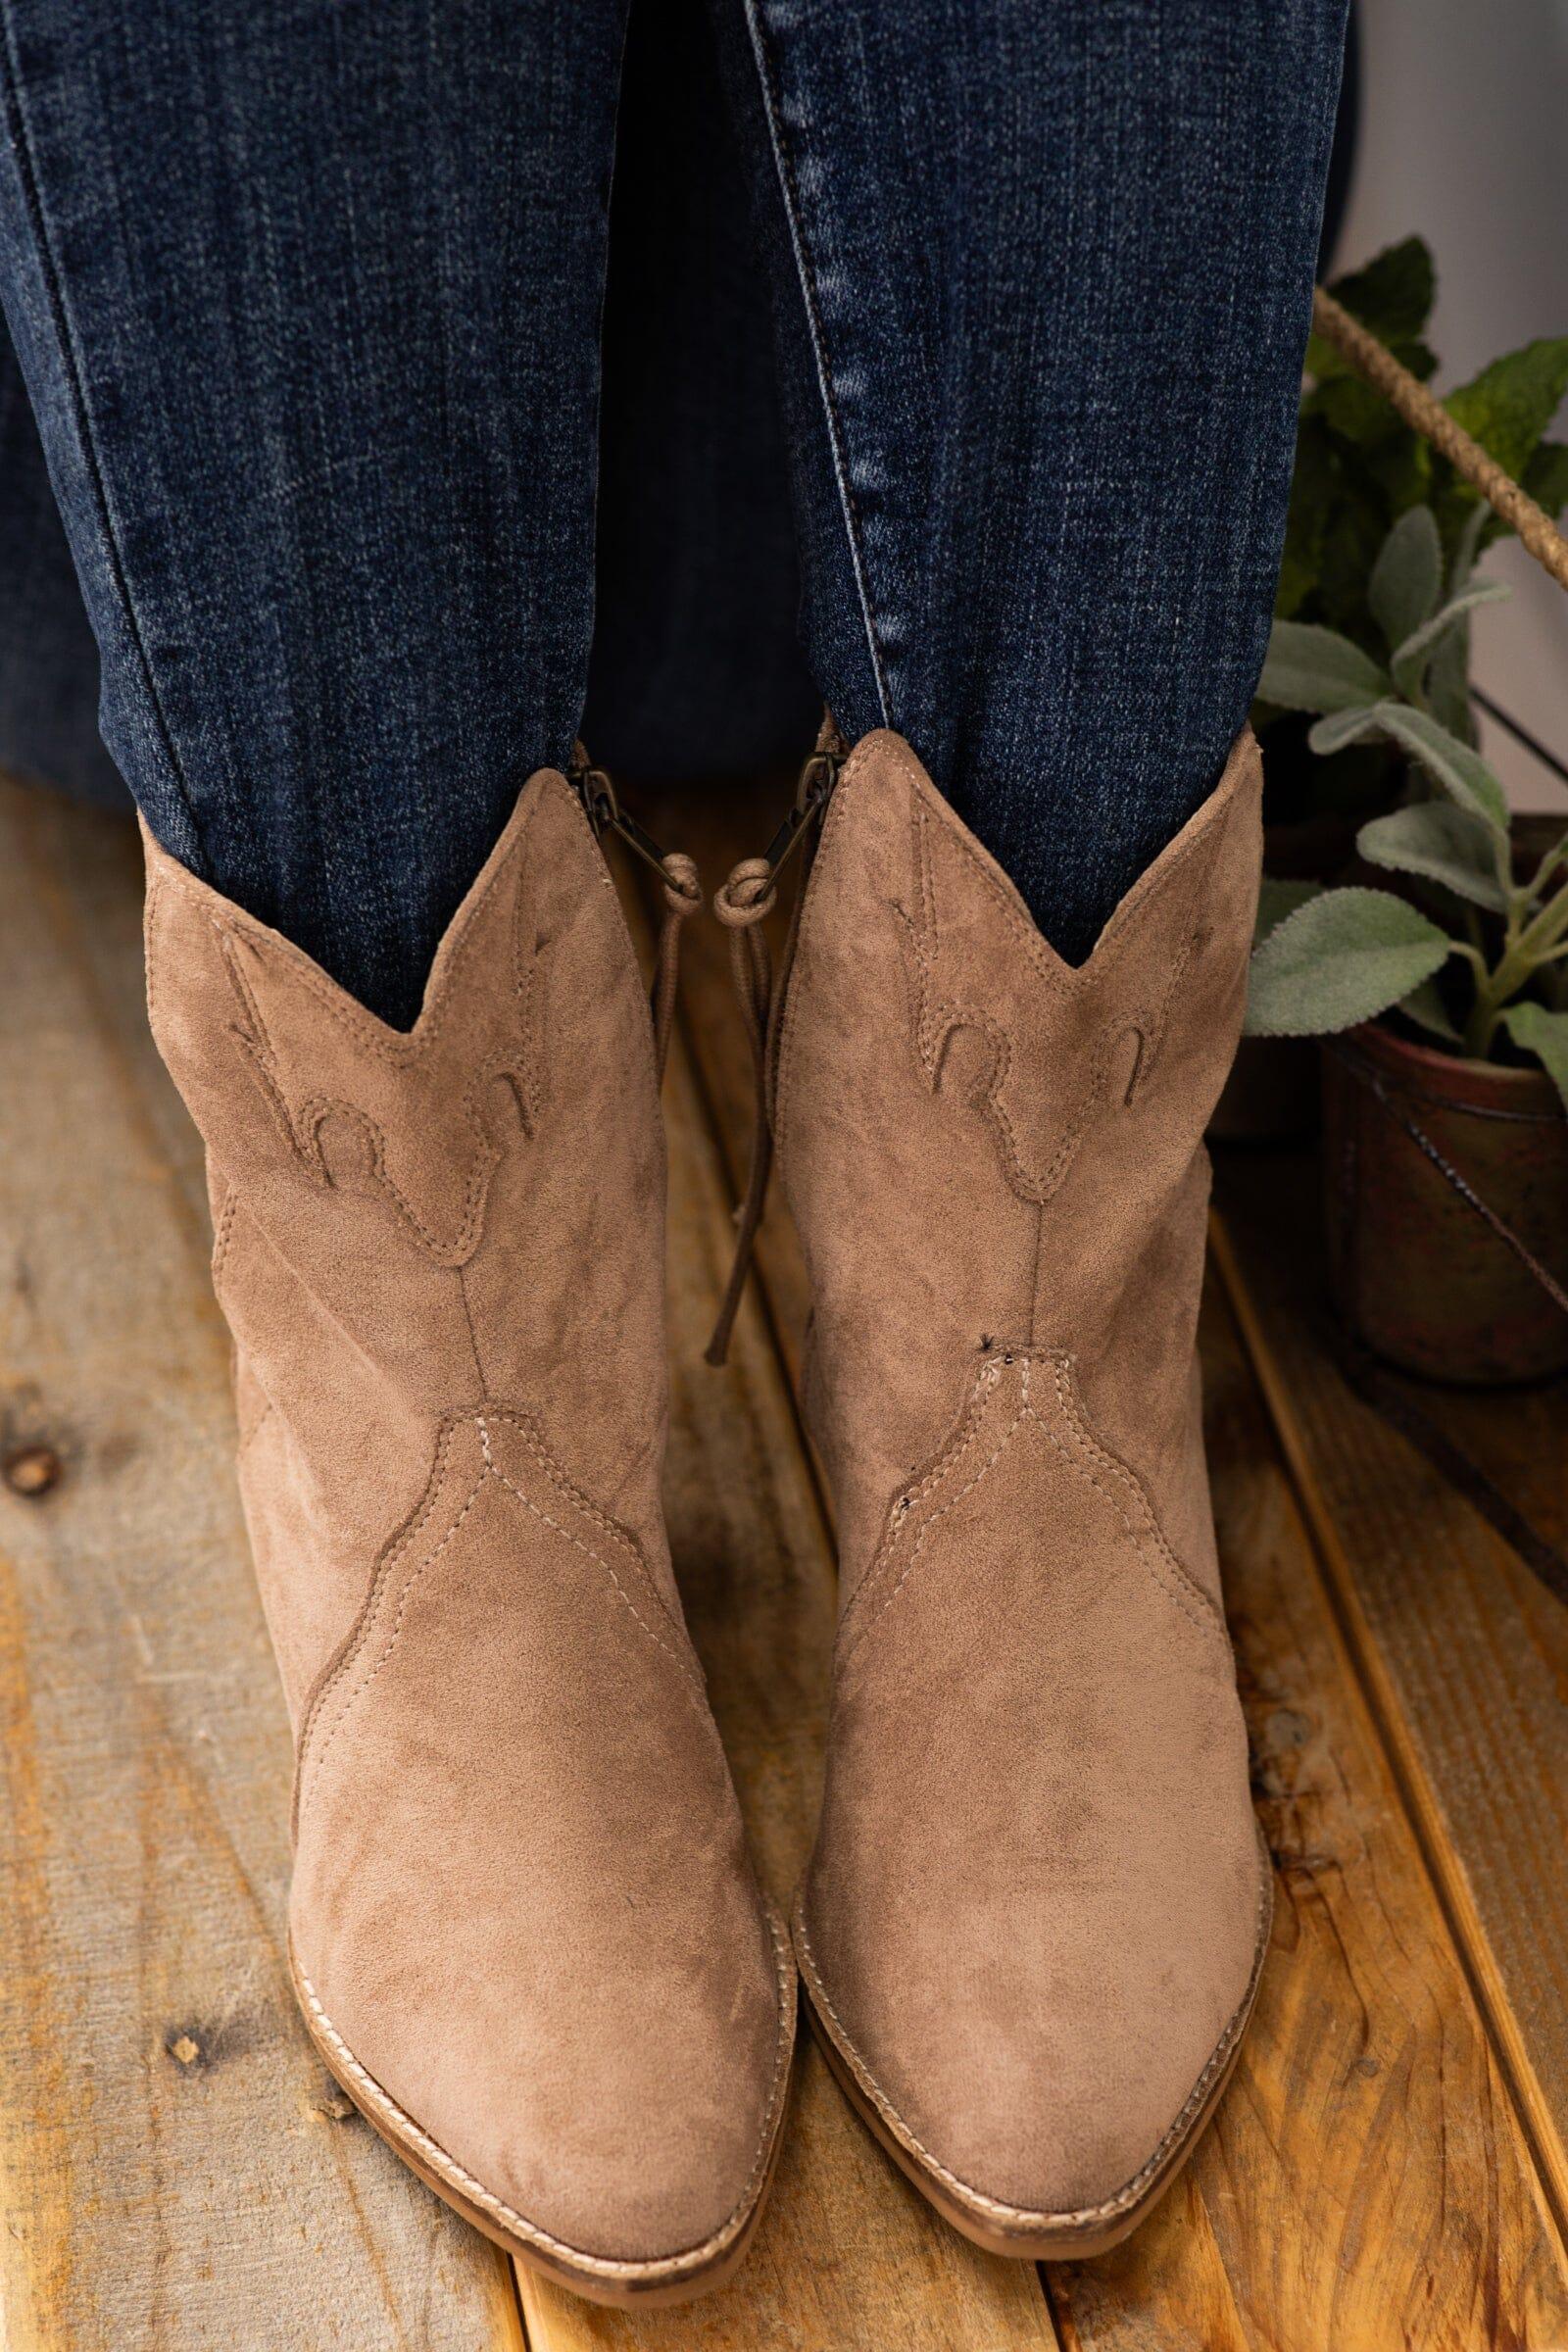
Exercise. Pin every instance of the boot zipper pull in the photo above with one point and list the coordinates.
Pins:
(683, 893)
(602, 808)
(813, 793)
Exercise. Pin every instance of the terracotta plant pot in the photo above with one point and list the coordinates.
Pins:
(1416, 1273)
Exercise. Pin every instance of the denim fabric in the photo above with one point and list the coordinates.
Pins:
(1046, 279)
(48, 660)
(696, 664)
(696, 667)
(308, 303)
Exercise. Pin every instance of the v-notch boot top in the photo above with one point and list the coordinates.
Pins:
(523, 1928)
(1033, 1924)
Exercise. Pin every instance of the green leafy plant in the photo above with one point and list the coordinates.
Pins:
(1469, 949)
(1361, 469)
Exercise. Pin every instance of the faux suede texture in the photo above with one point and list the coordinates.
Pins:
(1036, 1899)
(521, 1899)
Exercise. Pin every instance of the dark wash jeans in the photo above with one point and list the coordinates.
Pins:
(307, 297)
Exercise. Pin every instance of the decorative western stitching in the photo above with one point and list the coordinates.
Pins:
(317, 1109)
(360, 1632)
(952, 1453)
(1153, 1037)
(301, 1130)
(939, 1515)
(1187, 1590)
(245, 1443)
(394, 1046)
(986, 1379)
(1136, 1534)
(357, 1691)
(590, 1512)
(1064, 978)
(939, 1018)
(225, 1229)
(1018, 2218)
(599, 2264)
(230, 927)
(354, 1639)
(908, 1496)
(1165, 1570)
(523, 1426)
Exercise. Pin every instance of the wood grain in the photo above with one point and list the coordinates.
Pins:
(1368, 2183)
(1464, 1650)
(176, 2169)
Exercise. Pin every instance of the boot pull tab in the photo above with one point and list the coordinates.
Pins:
(682, 891)
(742, 905)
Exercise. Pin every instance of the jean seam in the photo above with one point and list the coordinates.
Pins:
(767, 79)
(81, 414)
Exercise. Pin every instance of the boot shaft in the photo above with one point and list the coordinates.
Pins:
(986, 1148)
(412, 1226)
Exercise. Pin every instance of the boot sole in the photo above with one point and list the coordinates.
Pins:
(1008, 2229)
(623, 2285)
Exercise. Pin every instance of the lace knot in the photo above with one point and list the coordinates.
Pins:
(748, 896)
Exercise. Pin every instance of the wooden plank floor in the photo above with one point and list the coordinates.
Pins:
(177, 2171)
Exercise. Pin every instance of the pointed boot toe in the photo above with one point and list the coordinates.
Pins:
(1032, 1924)
(1037, 2007)
(630, 2159)
(525, 1931)
(585, 2036)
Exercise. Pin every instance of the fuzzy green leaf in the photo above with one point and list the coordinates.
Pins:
(1401, 470)
(1409, 663)
(1425, 1007)
(1344, 958)
(1407, 576)
(1545, 477)
(1509, 404)
(1467, 547)
(1340, 728)
(1311, 669)
(1443, 843)
(1462, 773)
(1355, 412)
(1276, 899)
(1544, 1034)
(1448, 686)
(1392, 295)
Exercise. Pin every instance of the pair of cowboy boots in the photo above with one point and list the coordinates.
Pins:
(523, 1927)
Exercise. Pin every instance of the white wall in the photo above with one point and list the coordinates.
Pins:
(1464, 140)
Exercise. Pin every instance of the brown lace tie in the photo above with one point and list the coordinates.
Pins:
(743, 906)
(683, 897)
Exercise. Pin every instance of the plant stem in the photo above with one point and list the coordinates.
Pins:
(1527, 944)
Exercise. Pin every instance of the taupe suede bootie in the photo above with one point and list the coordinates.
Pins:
(1032, 1924)
(523, 1928)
